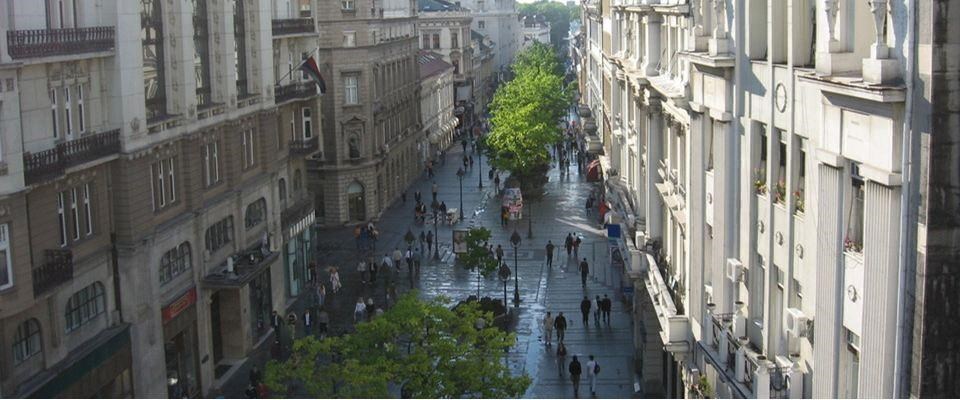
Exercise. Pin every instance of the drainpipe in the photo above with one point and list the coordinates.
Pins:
(908, 232)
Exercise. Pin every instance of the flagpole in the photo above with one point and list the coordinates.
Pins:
(297, 68)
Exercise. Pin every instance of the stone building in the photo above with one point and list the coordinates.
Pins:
(536, 28)
(368, 155)
(499, 20)
(444, 28)
(152, 190)
(785, 173)
(436, 104)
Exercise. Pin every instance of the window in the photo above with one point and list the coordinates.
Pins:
(62, 217)
(84, 306)
(255, 214)
(67, 119)
(307, 123)
(53, 113)
(456, 68)
(211, 163)
(425, 41)
(481, 24)
(240, 47)
(853, 242)
(350, 90)
(151, 36)
(436, 40)
(219, 234)
(26, 342)
(6, 265)
(454, 40)
(75, 212)
(163, 183)
(81, 123)
(346, 5)
(87, 213)
(349, 39)
(853, 371)
(297, 180)
(354, 144)
(248, 145)
(201, 53)
(282, 189)
(174, 262)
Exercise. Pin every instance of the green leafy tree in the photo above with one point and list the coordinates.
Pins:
(477, 256)
(420, 346)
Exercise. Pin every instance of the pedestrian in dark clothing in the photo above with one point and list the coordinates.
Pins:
(585, 310)
(307, 323)
(561, 358)
(605, 306)
(575, 371)
(496, 184)
(463, 143)
(323, 319)
(471, 161)
(568, 244)
(576, 246)
(417, 196)
(430, 241)
(430, 170)
(255, 376)
(584, 270)
(423, 240)
(499, 254)
(465, 161)
(549, 249)
(560, 324)
(434, 191)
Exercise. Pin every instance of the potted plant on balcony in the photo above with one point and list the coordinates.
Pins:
(701, 389)
(781, 194)
(851, 246)
(760, 181)
(798, 200)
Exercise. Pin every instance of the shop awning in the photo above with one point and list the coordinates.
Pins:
(593, 171)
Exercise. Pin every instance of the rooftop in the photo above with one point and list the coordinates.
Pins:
(438, 5)
(431, 64)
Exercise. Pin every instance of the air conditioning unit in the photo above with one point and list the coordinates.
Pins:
(796, 323)
(640, 238)
(735, 270)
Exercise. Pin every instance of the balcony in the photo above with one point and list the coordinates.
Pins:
(294, 91)
(242, 267)
(58, 42)
(292, 26)
(303, 146)
(56, 269)
(49, 164)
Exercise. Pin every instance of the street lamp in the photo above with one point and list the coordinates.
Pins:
(460, 174)
(479, 160)
(515, 239)
(436, 235)
(504, 276)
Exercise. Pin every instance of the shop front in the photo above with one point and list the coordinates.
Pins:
(299, 243)
(180, 346)
(100, 369)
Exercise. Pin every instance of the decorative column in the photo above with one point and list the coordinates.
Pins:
(879, 68)
(651, 44)
(881, 237)
(700, 34)
(829, 282)
(835, 55)
(719, 43)
(653, 207)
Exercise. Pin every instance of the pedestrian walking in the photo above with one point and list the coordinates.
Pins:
(499, 254)
(560, 324)
(335, 280)
(576, 246)
(434, 190)
(307, 323)
(593, 369)
(463, 144)
(575, 371)
(595, 306)
(370, 309)
(321, 293)
(430, 169)
(504, 216)
(358, 310)
(465, 161)
(496, 184)
(397, 258)
(417, 196)
(548, 329)
(561, 358)
(430, 241)
(471, 161)
(323, 320)
(585, 311)
(605, 306)
(549, 249)
(363, 270)
(423, 240)
(568, 244)
(374, 267)
(584, 270)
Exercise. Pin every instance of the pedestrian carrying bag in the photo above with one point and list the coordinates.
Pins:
(596, 368)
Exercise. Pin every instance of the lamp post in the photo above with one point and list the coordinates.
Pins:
(460, 174)
(504, 276)
(436, 235)
(479, 161)
(515, 239)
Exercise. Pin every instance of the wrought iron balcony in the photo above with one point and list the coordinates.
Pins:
(56, 269)
(49, 164)
(292, 26)
(57, 42)
(296, 90)
(303, 146)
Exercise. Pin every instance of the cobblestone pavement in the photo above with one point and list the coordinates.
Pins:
(541, 288)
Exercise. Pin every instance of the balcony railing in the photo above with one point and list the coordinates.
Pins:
(292, 26)
(49, 164)
(296, 90)
(57, 42)
(303, 146)
(56, 269)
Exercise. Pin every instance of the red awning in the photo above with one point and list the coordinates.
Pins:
(593, 171)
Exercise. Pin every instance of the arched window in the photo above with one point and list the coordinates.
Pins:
(297, 180)
(175, 262)
(282, 188)
(256, 213)
(355, 201)
(85, 305)
(26, 343)
(354, 143)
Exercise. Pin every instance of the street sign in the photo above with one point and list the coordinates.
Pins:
(627, 290)
(613, 230)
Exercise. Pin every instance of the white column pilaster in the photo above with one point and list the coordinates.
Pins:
(829, 318)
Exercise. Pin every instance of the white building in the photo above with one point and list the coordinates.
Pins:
(776, 182)
(536, 28)
(499, 20)
(436, 104)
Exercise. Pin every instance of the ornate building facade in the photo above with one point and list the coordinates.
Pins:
(779, 166)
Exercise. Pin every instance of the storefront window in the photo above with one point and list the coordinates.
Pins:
(260, 303)
(181, 365)
(355, 202)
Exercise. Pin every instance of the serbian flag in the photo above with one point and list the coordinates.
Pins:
(310, 67)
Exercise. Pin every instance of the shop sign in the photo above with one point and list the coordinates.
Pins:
(179, 305)
(302, 225)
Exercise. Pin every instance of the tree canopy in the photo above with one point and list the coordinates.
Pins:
(478, 256)
(422, 347)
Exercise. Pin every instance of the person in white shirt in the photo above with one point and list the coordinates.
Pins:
(593, 368)
(596, 310)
